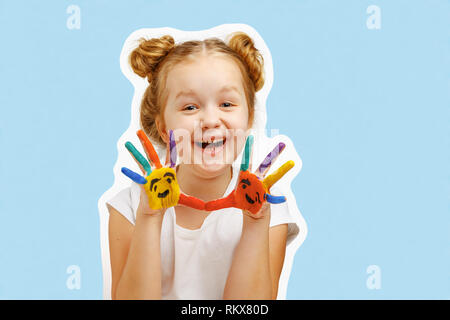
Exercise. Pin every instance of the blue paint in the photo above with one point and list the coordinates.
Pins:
(274, 199)
(136, 177)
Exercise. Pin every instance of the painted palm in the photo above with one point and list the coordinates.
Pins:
(160, 183)
(252, 189)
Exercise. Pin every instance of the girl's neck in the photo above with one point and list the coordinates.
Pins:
(204, 188)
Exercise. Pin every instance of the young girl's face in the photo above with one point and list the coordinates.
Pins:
(206, 106)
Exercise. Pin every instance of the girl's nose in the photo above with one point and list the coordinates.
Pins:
(210, 118)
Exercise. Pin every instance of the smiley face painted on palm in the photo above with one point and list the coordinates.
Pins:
(162, 188)
(250, 192)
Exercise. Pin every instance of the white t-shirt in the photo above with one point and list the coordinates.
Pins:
(195, 263)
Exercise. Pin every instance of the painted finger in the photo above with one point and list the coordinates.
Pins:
(191, 202)
(171, 151)
(228, 202)
(149, 149)
(278, 174)
(136, 177)
(245, 164)
(269, 160)
(139, 158)
(274, 199)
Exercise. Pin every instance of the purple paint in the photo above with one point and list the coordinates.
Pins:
(267, 162)
(173, 150)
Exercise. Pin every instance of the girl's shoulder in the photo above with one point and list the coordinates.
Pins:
(126, 201)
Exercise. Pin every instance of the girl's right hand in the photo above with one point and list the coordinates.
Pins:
(159, 185)
(147, 166)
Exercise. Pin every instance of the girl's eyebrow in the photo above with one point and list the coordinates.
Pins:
(229, 88)
(191, 93)
(185, 93)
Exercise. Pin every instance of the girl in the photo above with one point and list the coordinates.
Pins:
(205, 87)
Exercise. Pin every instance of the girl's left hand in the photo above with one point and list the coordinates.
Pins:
(252, 190)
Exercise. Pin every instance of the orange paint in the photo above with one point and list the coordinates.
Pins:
(249, 193)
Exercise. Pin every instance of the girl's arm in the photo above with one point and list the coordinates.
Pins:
(135, 256)
(258, 259)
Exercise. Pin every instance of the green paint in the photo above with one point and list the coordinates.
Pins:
(139, 157)
(246, 158)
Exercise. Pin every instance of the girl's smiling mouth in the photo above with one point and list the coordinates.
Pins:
(212, 144)
(211, 147)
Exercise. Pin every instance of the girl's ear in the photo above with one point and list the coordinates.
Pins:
(161, 129)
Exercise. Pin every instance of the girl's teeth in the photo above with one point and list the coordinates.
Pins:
(210, 144)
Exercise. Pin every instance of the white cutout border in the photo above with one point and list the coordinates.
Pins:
(262, 145)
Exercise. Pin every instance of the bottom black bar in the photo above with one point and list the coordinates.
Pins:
(219, 309)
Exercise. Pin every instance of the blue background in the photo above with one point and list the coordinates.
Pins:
(370, 120)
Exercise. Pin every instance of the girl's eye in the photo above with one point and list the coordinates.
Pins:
(190, 107)
(226, 104)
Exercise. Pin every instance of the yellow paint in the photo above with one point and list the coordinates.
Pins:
(165, 190)
(278, 174)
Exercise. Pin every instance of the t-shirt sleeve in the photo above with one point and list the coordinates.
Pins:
(126, 202)
(281, 213)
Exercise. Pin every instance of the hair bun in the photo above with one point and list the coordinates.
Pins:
(146, 57)
(243, 45)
